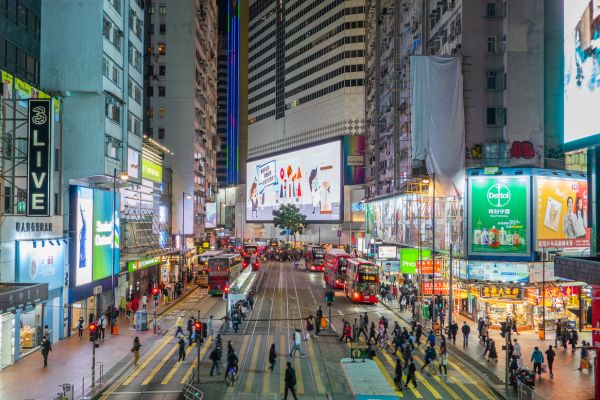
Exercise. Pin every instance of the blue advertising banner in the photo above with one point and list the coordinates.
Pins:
(104, 242)
(41, 264)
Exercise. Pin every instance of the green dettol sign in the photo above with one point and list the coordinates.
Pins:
(499, 215)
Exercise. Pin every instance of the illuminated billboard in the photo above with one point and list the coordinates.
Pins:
(41, 261)
(561, 212)
(104, 242)
(582, 73)
(211, 215)
(83, 210)
(309, 178)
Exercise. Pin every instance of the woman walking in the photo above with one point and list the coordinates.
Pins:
(136, 350)
(444, 362)
(272, 357)
(398, 374)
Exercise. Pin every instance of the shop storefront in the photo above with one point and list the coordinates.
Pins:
(569, 303)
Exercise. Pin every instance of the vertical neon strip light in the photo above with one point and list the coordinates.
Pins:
(228, 125)
(233, 92)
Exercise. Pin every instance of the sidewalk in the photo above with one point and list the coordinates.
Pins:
(367, 381)
(568, 382)
(71, 358)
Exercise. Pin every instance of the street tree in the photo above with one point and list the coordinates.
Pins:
(289, 218)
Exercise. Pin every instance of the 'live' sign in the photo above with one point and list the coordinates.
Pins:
(38, 160)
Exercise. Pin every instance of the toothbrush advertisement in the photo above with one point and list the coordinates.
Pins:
(499, 216)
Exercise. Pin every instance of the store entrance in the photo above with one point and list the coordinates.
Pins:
(31, 330)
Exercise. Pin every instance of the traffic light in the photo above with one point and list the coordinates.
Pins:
(155, 293)
(198, 331)
(329, 296)
(93, 328)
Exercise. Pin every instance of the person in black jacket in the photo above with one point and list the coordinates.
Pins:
(466, 329)
(372, 333)
(290, 381)
(410, 375)
(398, 374)
(215, 357)
(550, 354)
(181, 349)
(46, 349)
(272, 357)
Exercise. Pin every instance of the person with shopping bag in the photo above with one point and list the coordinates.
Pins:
(585, 357)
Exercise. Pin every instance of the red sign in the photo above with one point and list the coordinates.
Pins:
(441, 287)
(596, 316)
(426, 267)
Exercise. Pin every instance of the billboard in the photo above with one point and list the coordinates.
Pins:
(497, 271)
(386, 252)
(410, 257)
(83, 209)
(41, 263)
(104, 242)
(151, 170)
(499, 215)
(309, 178)
(38, 160)
(582, 73)
(354, 159)
(211, 215)
(561, 213)
(133, 163)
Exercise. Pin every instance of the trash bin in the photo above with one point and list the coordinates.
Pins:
(542, 333)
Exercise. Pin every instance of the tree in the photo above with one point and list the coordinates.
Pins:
(290, 219)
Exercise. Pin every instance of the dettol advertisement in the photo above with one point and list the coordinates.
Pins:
(499, 215)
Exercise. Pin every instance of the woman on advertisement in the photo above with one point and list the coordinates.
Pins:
(570, 220)
(581, 218)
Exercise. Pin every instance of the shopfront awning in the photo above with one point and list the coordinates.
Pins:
(21, 295)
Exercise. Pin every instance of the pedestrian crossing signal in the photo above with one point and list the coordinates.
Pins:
(93, 331)
(329, 296)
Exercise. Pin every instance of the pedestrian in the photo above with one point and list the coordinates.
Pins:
(443, 345)
(372, 333)
(136, 350)
(487, 342)
(538, 358)
(419, 332)
(454, 330)
(573, 337)
(430, 356)
(80, 327)
(215, 357)
(344, 330)
(517, 352)
(558, 333)
(181, 348)
(190, 325)
(493, 354)
(102, 326)
(466, 329)
(431, 339)
(296, 347)
(179, 326)
(46, 331)
(363, 328)
(128, 308)
(290, 381)
(309, 329)
(411, 371)
(479, 327)
(550, 354)
(398, 374)
(585, 358)
(444, 362)
(122, 305)
(348, 333)
(46, 349)
(319, 317)
(209, 327)
(272, 357)
(144, 302)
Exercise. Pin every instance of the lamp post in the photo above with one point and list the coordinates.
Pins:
(184, 196)
(123, 176)
(434, 308)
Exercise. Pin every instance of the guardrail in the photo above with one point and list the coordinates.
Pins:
(191, 389)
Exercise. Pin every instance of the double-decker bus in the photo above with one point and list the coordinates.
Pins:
(250, 248)
(336, 262)
(222, 270)
(315, 258)
(362, 281)
(203, 258)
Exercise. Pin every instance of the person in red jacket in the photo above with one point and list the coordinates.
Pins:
(347, 333)
(135, 305)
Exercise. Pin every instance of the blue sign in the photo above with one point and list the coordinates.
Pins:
(498, 271)
(41, 261)
(391, 266)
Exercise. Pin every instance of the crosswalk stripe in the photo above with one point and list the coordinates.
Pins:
(315, 367)
(191, 368)
(464, 388)
(390, 381)
(150, 357)
(469, 375)
(299, 379)
(159, 365)
(419, 376)
(267, 373)
(282, 365)
(251, 367)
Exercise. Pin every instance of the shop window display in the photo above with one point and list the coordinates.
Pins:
(31, 329)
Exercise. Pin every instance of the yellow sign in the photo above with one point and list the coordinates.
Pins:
(501, 292)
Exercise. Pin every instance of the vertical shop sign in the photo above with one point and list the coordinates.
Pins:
(38, 160)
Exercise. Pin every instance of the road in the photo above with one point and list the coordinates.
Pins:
(284, 298)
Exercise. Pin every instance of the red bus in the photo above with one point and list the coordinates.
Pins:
(250, 249)
(250, 259)
(314, 258)
(362, 281)
(335, 268)
(222, 271)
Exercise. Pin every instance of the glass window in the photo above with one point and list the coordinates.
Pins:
(162, 49)
(113, 109)
(161, 133)
(107, 27)
(491, 44)
(151, 9)
(162, 91)
(163, 29)
(151, 29)
(161, 112)
(490, 116)
(162, 9)
(162, 70)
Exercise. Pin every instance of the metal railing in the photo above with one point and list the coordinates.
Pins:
(191, 389)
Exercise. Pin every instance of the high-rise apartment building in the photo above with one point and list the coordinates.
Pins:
(222, 159)
(181, 44)
(305, 71)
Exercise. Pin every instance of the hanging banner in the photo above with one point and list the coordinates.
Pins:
(38, 160)
(7, 85)
(441, 287)
(427, 267)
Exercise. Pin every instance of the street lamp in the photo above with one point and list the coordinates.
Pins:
(184, 196)
(124, 177)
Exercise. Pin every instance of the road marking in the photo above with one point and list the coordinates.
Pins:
(162, 362)
(250, 376)
(191, 368)
(390, 381)
(267, 374)
(299, 379)
(282, 363)
(468, 374)
(464, 388)
(150, 357)
(315, 367)
(177, 365)
(420, 377)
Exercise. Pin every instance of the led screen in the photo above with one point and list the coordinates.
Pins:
(84, 209)
(104, 242)
(582, 72)
(308, 178)
(211, 215)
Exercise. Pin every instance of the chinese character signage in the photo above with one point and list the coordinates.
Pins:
(499, 215)
(501, 292)
(38, 160)
(441, 287)
(561, 213)
(427, 267)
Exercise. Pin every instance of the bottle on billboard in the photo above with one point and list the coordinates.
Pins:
(484, 237)
(493, 235)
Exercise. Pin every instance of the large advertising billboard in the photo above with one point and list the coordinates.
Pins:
(499, 215)
(561, 213)
(104, 242)
(309, 178)
(83, 207)
(37, 263)
(211, 215)
(582, 73)
(497, 271)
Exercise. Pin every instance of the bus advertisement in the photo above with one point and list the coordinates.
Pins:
(336, 262)
(315, 258)
(222, 270)
(362, 281)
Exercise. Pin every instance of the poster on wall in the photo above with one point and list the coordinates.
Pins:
(561, 213)
(83, 208)
(582, 73)
(497, 271)
(211, 215)
(104, 242)
(133, 163)
(309, 178)
(499, 215)
(41, 264)
(354, 159)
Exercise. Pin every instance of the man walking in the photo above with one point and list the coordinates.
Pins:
(179, 326)
(550, 354)
(209, 327)
(102, 326)
(215, 357)
(46, 349)
(290, 381)
(466, 329)
(454, 330)
(319, 317)
(410, 376)
(181, 347)
(538, 358)
(297, 340)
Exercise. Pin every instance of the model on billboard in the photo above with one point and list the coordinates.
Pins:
(82, 233)
(570, 220)
(581, 216)
(313, 184)
(254, 198)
